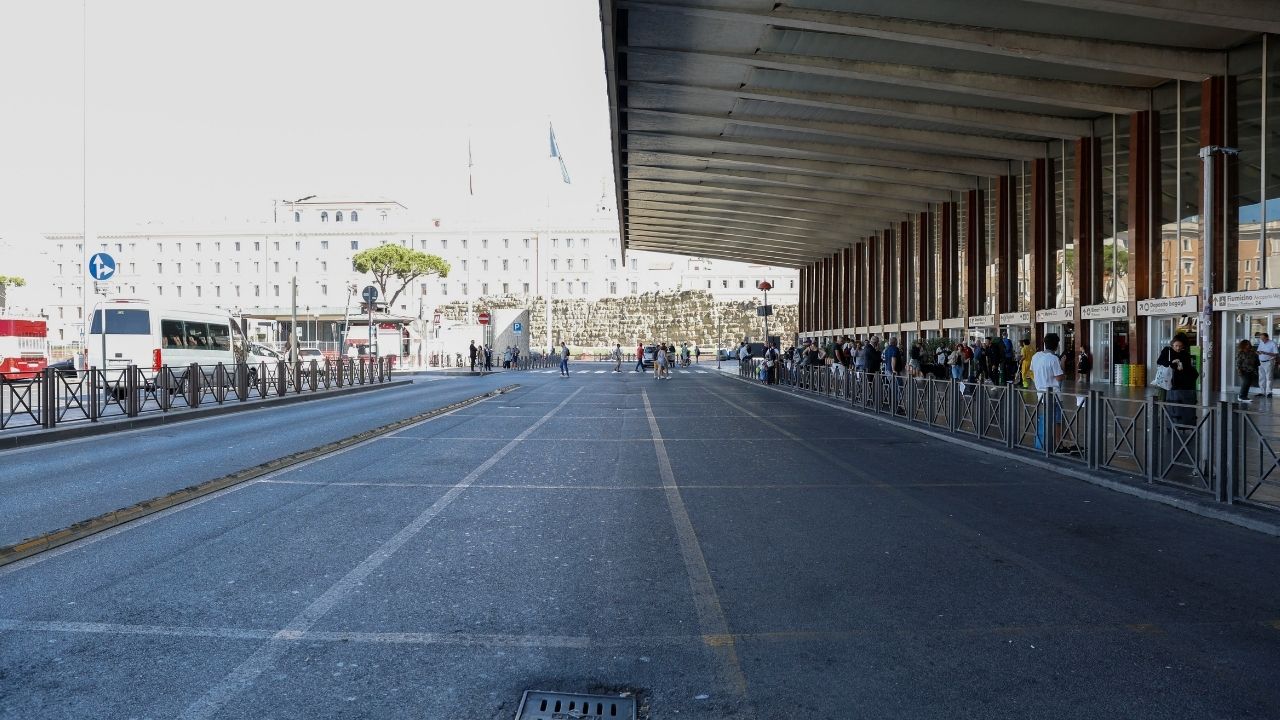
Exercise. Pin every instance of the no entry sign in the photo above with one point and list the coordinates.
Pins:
(484, 318)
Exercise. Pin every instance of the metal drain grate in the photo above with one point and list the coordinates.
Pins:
(539, 705)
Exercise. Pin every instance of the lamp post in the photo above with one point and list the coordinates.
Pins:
(293, 315)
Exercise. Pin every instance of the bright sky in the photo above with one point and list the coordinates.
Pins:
(204, 111)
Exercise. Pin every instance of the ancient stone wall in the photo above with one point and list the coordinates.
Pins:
(686, 316)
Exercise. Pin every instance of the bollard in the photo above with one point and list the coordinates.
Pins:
(362, 364)
(220, 383)
(193, 385)
(164, 388)
(94, 389)
(342, 370)
(48, 398)
(1153, 425)
(311, 376)
(242, 381)
(1011, 414)
(1229, 463)
(132, 402)
(297, 377)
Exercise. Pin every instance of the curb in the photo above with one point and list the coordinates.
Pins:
(1166, 495)
(52, 539)
(89, 429)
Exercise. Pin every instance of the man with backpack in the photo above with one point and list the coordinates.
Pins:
(564, 359)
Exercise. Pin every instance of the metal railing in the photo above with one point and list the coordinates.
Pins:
(54, 398)
(1224, 451)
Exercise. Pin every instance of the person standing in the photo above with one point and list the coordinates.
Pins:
(1025, 370)
(1084, 366)
(771, 356)
(697, 353)
(1046, 371)
(564, 359)
(1267, 353)
(892, 357)
(617, 357)
(639, 358)
(955, 361)
(1247, 368)
(1182, 386)
(473, 352)
(488, 358)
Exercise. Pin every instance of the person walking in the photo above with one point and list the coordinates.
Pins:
(1267, 353)
(1025, 370)
(617, 357)
(1247, 368)
(1182, 386)
(660, 363)
(697, 353)
(639, 358)
(564, 359)
(473, 352)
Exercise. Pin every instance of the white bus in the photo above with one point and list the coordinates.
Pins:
(142, 333)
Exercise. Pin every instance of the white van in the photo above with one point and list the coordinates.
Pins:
(142, 333)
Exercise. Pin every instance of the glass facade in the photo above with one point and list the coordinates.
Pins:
(1022, 240)
(990, 255)
(1062, 277)
(1111, 260)
(1243, 252)
(960, 237)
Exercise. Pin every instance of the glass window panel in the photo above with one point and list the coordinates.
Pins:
(1244, 231)
(990, 248)
(1022, 247)
(1189, 176)
(1064, 245)
(1169, 266)
(962, 256)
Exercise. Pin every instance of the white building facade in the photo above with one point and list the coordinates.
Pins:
(250, 267)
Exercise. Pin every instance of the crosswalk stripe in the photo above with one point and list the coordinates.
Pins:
(701, 372)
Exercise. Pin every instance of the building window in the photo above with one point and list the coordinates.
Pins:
(275, 290)
(568, 287)
(297, 216)
(555, 288)
(324, 216)
(613, 265)
(554, 264)
(634, 288)
(324, 266)
(159, 268)
(484, 288)
(257, 246)
(584, 263)
(179, 290)
(237, 246)
(276, 246)
(568, 263)
(484, 243)
(584, 243)
(444, 243)
(324, 289)
(555, 242)
(337, 216)
(197, 291)
(217, 291)
(724, 284)
(793, 284)
(584, 287)
(708, 284)
(355, 216)
(525, 289)
(355, 244)
(484, 265)
(324, 244)
(568, 242)
(275, 266)
(635, 265)
(526, 243)
(464, 266)
(506, 290)
(741, 284)
(613, 242)
(613, 288)
(525, 262)
(159, 289)
(464, 289)
(257, 290)
(444, 288)
(297, 245)
(505, 243)
(464, 243)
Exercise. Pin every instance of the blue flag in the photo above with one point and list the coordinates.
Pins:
(555, 153)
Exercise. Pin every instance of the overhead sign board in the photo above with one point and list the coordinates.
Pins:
(982, 320)
(1247, 300)
(1169, 306)
(1015, 318)
(1062, 314)
(1104, 311)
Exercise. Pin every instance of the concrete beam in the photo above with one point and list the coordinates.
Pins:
(1053, 93)
(816, 168)
(956, 143)
(827, 236)
(1249, 15)
(792, 180)
(730, 234)
(787, 208)
(721, 253)
(815, 197)
(989, 119)
(745, 213)
(1150, 60)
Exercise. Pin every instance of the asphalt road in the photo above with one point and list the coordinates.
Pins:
(721, 549)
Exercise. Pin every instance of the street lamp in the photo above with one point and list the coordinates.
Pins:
(293, 313)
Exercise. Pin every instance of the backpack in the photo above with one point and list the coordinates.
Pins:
(967, 352)
(1084, 363)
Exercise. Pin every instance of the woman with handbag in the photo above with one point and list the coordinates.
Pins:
(1176, 377)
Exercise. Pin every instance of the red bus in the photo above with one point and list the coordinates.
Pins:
(24, 348)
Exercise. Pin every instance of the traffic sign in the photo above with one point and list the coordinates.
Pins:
(102, 266)
(370, 294)
(517, 328)
(484, 318)
(436, 320)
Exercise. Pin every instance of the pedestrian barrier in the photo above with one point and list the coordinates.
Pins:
(54, 397)
(1224, 451)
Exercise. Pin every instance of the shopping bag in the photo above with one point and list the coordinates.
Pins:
(1164, 377)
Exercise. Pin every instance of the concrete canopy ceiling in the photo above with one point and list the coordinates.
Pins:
(782, 131)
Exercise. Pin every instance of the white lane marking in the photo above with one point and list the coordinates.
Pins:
(701, 372)
(711, 618)
(244, 675)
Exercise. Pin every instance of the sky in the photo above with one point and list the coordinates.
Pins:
(205, 112)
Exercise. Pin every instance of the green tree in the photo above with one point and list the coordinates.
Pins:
(1108, 257)
(391, 263)
(6, 282)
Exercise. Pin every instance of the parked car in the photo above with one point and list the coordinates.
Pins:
(650, 355)
(255, 355)
(64, 367)
(306, 355)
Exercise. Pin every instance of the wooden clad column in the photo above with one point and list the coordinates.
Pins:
(819, 290)
(860, 283)
(924, 284)
(804, 298)
(1042, 250)
(1088, 230)
(975, 253)
(837, 291)
(846, 292)
(1006, 232)
(950, 265)
(1144, 231)
(886, 277)
(904, 299)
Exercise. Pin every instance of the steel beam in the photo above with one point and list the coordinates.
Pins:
(807, 182)
(1248, 15)
(814, 197)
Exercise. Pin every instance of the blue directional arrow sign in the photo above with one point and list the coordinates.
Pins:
(517, 328)
(102, 266)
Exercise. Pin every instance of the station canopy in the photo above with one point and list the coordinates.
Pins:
(781, 132)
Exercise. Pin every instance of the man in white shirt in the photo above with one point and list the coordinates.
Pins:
(1267, 352)
(1046, 370)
